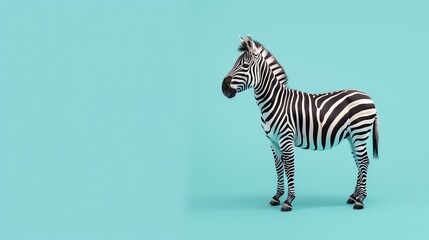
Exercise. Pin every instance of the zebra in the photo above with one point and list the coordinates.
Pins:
(292, 118)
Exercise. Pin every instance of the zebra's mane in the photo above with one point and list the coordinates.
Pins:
(274, 65)
(244, 48)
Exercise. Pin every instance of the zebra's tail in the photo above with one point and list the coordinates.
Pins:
(375, 138)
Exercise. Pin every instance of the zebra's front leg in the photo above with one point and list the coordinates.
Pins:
(288, 156)
(278, 163)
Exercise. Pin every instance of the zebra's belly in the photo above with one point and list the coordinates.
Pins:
(315, 142)
(316, 147)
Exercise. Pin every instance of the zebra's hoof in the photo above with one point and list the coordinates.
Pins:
(286, 208)
(351, 200)
(274, 202)
(358, 205)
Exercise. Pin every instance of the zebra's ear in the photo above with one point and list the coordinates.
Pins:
(251, 45)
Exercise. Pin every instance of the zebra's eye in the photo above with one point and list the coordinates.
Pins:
(245, 65)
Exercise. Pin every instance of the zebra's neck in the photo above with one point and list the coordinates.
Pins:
(275, 67)
(268, 89)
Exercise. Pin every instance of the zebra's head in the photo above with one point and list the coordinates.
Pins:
(244, 73)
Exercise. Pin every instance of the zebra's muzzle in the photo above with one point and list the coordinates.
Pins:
(226, 89)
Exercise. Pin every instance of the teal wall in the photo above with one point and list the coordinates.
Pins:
(113, 124)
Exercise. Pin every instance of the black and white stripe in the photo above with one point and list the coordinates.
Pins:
(292, 118)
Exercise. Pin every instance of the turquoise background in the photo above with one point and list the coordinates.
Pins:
(113, 124)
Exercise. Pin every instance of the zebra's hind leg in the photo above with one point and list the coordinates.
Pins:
(359, 151)
(275, 201)
(353, 196)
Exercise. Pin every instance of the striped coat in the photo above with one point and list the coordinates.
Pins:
(292, 118)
